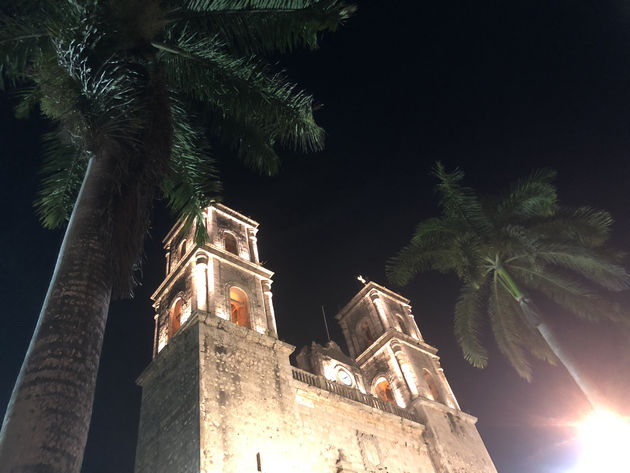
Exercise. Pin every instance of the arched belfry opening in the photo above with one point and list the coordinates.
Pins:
(175, 317)
(182, 249)
(383, 390)
(434, 393)
(229, 241)
(365, 333)
(401, 323)
(239, 307)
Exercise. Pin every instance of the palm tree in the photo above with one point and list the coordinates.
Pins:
(507, 250)
(122, 82)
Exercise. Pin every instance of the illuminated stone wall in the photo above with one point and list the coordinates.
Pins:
(250, 409)
(453, 439)
(338, 434)
(169, 417)
(246, 403)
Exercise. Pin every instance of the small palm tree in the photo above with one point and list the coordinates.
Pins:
(122, 82)
(505, 252)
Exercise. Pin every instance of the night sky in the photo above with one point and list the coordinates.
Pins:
(496, 88)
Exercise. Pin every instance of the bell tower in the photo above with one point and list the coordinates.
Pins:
(219, 373)
(224, 277)
(382, 335)
(399, 367)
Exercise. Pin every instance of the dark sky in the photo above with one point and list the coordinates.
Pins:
(497, 88)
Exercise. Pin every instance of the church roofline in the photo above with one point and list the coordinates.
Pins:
(237, 215)
(381, 344)
(221, 208)
(364, 291)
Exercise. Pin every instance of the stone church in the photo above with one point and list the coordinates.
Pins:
(222, 396)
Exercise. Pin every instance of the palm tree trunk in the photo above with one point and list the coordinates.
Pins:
(534, 317)
(46, 424)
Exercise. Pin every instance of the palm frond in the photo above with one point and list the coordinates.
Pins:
(587, 263)
(109, 105)
(459, 202)
(434, 229)
(467, 254)
(29, 98)
(468, 324)
(532, 197)
(236, 5)
(252, 27)
(418, 257)
(249, 143)
(571, 294)
(63, 170)
(584, 226)
(192, 181)
(20, 47)
(242, 90)
(516, 241)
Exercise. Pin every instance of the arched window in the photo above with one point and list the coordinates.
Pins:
(383, 391)
(433, 390)
(175, 317)
(230, 243)
(239, 307)
(182, 249)
(401, 323)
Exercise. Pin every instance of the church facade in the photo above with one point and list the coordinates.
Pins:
(221, 395)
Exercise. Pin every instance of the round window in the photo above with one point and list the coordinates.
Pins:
(344, 377)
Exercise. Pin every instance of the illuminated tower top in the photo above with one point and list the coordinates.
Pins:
(222, 278)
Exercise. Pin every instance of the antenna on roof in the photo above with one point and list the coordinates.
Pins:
(325, 323)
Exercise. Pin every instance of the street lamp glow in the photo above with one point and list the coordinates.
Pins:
(605, 444)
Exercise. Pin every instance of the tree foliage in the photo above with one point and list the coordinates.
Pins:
(127, 76)
(508, 251)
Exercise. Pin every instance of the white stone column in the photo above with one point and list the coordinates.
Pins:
(155, 336)
(380, 308)
(405, 368)
(415, 330)
(451, 401)
(253, 245)
(271, 317)
(200, 282)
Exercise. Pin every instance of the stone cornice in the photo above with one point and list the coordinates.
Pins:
(393, 334)
(366, 290)
(248, 222)
(219, 254)
(430, 403)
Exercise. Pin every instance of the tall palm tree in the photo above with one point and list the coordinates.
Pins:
(508, 250)
(121, 82)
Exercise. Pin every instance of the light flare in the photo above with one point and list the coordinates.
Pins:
(605, 444)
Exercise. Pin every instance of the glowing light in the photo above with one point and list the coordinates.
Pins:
(605, 439)
(185, 314)
(162, 340)
(200, 286)
(220, 312)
